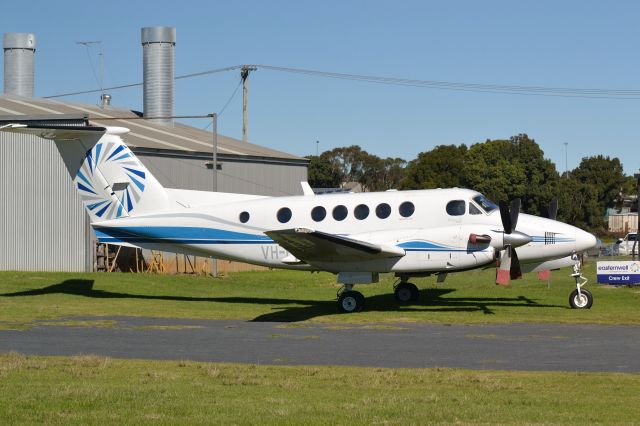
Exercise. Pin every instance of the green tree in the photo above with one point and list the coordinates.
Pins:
(347, 162)
(590, 189)
(323, 174)
(506, 169)
(352, 164)
(442, 167)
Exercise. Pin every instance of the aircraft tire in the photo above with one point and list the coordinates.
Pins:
(350, 301)
(584, 302)
(406, 292)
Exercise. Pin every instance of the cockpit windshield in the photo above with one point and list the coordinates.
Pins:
(486, 204)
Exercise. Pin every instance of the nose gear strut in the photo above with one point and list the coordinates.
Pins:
(579, 298)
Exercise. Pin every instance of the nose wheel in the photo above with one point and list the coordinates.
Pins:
(580, 298)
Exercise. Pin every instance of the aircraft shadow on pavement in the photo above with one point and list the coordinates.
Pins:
(431, 300)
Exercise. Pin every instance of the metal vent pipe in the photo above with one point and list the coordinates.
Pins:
(19, 59)
(158, 45)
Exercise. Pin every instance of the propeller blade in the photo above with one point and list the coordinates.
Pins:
(553, 208)
(505, 216)
(514, 211)
(514, 271)
(502, 271)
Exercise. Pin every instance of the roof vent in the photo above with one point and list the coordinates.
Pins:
(105, 100)
(19, 59)
(158, 45)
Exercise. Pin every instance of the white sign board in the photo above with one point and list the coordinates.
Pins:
(620, 273)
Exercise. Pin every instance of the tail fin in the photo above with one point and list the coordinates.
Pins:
(111, 181)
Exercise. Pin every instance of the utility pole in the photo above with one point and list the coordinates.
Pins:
(214, 159)
(214, 129)
(317, 143)
(244, 74)
(566, 161)
(635, 243)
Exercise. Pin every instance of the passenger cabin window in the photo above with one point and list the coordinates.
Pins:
(383, 210)
(486, 204)
(340, 212)
(473, 209)
(361, 211)
(284, 215)
(456, 207)
(318, 213)
(244, 217)
(406, 209)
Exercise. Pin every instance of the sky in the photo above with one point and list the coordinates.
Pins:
(575, 44)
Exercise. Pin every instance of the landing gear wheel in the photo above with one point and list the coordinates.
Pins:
(584, 300)
(350, 301)
(406, 292)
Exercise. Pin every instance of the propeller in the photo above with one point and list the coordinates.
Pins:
(509, 214)
(509, 264)
(553, 208)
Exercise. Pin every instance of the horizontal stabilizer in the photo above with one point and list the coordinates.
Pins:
(315, 246)
(57, 132)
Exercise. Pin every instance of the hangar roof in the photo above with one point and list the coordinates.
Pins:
(144, 134)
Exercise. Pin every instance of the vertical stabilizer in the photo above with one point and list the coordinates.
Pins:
(110, 179)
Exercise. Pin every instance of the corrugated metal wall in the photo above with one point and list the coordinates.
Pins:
(43, 226)
(240, 177)
(623, 223)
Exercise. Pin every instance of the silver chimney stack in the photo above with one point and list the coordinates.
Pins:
(157, 51)
(19, 59)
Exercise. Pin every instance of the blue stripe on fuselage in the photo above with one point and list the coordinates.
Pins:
(177, 235)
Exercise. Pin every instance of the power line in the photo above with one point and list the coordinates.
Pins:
(469, 87)
(127, 86)
(226, 103)
(565, 92)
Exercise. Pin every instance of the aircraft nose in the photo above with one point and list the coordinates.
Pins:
(585, 240)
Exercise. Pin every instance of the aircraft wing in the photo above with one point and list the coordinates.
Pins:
(315, 246)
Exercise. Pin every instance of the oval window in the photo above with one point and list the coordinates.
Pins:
(406, 209)
(284, 215)
(361, 211)
(318, 213)
(244, 217)
(340, 212)
(383, 210)
(456, 208)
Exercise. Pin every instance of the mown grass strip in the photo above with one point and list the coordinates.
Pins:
(98, 390)
(469, 298)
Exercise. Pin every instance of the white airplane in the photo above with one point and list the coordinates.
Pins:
(356, 236)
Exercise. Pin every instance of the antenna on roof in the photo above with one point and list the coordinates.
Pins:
(87, 44)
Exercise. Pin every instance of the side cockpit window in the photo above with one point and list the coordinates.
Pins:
(456, 207)
(486, 204)
(473, 209)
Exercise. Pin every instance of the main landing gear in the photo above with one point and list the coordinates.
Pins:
(580, 298)
(349, 300)
(353, 301)
(406, 292)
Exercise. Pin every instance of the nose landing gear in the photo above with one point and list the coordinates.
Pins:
(580, 298)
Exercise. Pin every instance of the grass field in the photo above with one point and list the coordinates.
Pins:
(469, 297)
(97, 390)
